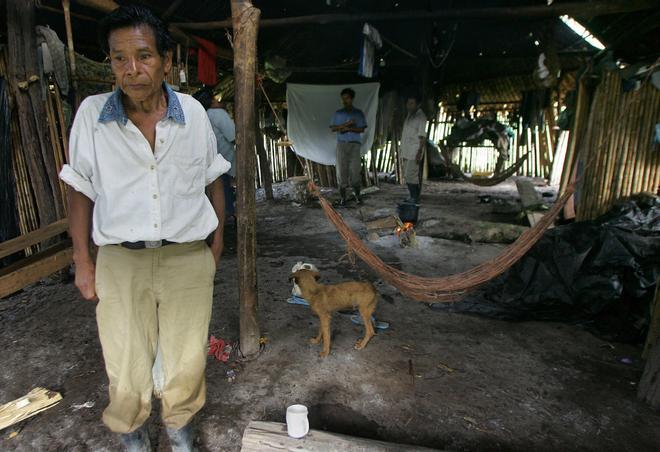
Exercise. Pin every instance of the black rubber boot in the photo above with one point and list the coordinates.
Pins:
(181, 440)
(418, 192)
(137, 440)
(411, 191)
(358, 198)
(342, 194)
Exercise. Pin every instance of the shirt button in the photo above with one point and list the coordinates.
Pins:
(162, 141)
(152, 167)
(155, 196)
(155, 226)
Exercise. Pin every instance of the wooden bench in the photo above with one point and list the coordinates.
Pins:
(272, 437)
(33, 268)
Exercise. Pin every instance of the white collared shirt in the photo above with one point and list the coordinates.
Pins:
(139, 194)
(414, 128)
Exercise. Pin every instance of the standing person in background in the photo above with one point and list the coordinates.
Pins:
(413, 140)
(225, 134)
(348, 123)
(143, 178)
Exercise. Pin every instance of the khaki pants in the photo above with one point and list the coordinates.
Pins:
(349, 165)
(149, 296)
(411, 171)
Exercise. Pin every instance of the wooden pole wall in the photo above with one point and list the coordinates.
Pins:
(612, 141)
(245, 19)
(28, 100)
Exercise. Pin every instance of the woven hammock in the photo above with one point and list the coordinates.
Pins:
(495, 178)
(445, 288)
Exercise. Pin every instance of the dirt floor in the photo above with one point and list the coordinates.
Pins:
(476, 384)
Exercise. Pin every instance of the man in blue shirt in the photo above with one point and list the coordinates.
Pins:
(348, 123)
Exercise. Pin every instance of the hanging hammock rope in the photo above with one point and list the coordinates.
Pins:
(495, 178)
(445, 288)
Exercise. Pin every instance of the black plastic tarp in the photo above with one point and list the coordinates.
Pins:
(600, 273)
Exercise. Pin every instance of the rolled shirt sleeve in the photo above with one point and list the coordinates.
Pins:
(79, 172)
(216, 164)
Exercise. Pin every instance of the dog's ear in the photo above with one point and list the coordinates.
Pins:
(293, 278)
(316, 276)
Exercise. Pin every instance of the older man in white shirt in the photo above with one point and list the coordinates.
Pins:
(413, 140)
(141, 161)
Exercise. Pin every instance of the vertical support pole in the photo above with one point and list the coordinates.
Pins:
(66, 6)
(245, 20)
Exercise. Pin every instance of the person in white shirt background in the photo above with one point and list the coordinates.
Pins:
(413, 141)
(225, 134)
(144, 179)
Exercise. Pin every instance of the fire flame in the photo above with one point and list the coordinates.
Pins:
(407, 226)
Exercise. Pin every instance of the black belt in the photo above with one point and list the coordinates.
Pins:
(146, 244)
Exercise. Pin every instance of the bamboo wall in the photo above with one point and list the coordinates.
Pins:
(29, 218)
(611, 150)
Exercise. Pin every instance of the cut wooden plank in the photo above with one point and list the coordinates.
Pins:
(30, 270)
(388, 222)
(531, 201)
(36, 401)
(272, 436)
(19, 243)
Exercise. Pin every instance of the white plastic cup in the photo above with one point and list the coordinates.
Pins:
(297, 424)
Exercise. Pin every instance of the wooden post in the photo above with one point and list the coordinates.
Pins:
(66, 6)
(649, 386)
(30, 108)
(246, 22)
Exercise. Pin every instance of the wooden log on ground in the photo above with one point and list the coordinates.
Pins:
(272, 437)
(16, 276)
(246, 23)
(455, 228)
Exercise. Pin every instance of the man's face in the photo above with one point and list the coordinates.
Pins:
(347, 100)
(138, 67)
(412, 105)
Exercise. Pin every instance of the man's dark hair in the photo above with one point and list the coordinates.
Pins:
(415, 96)
(135, 16)
(348, 91)
(205, 97)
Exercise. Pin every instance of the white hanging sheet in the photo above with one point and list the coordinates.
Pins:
(310, 110)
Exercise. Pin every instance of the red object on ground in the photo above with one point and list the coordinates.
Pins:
(206, 62)
(219, 348)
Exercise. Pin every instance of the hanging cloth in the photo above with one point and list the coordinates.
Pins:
(372, 41)
(206, 62)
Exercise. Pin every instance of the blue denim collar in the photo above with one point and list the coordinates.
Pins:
(113, 110)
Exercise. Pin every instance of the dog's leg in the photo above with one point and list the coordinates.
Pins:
(366, 312)
(325, 333)
(317, 339)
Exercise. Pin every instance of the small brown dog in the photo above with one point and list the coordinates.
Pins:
(326, 299)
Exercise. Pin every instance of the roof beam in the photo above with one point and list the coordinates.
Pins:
(107, 6)
(575, 9)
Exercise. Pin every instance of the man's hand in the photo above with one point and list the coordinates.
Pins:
(86, 278)
(418, 157)
(217, 195)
